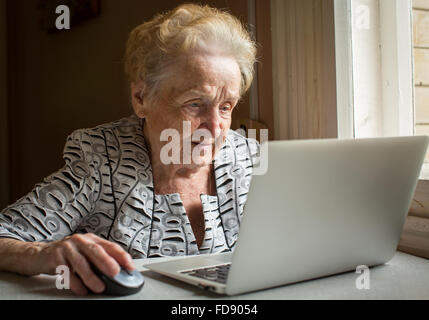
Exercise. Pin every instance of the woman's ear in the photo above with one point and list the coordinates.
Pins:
(138, 99)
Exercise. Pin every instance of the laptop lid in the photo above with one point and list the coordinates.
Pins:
(324, 207)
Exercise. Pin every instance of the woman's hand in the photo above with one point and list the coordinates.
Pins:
(78, 252)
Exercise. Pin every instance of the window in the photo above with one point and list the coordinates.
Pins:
(374, 82)
(378, 46)
(381, 43)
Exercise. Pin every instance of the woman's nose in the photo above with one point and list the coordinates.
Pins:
(213, 122)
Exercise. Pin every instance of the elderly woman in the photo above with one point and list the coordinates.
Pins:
(170, 180)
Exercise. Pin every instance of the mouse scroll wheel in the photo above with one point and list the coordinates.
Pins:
(128, 276)
(126, 271)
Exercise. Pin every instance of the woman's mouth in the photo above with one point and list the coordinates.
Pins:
(202, 144)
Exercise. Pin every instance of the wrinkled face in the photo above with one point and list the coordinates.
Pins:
(196, 102)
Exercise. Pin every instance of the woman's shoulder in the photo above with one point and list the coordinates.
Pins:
(130, 123)
(102, 133)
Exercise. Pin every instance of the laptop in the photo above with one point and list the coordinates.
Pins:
(323, 207)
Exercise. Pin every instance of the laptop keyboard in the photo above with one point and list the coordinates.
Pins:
(214, 273)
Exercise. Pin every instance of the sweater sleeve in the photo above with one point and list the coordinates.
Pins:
(56, 206)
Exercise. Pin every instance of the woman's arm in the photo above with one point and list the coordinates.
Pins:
(78, 252)
(56, 206)
(38, 232)
(16, 256)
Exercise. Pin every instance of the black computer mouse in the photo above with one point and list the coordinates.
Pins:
(123, 284)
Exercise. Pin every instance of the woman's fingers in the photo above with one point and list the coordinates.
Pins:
(77, 286)
(96, 255)
(82, 252)
(59, 259)
(116, 251)
(82, 269)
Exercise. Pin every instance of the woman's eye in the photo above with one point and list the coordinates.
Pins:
(194, 105)
(225, 108)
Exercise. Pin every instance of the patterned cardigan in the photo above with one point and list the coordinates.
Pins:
(106, 188)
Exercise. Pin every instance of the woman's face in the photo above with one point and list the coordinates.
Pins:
(196, 101)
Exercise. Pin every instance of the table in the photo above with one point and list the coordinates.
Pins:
(404, 277)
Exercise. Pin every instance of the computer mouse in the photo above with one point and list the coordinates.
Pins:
(123, 284)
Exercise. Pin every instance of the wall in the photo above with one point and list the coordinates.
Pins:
(4, 170)
(70, 79)
(421, 66)
(304, 69)
(415, 236)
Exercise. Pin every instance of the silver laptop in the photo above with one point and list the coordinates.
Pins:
(323, 207)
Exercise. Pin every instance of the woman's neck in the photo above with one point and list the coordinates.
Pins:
(170, 179)
(174, 177)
